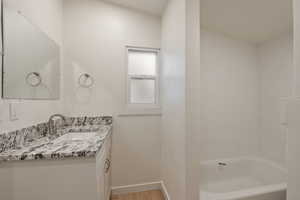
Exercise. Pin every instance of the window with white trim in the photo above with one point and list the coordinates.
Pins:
(142, 76)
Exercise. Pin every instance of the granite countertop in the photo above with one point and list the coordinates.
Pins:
(70, 142)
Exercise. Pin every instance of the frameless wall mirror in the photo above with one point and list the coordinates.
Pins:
(31, 60)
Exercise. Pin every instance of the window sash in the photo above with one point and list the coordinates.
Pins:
(140, 77)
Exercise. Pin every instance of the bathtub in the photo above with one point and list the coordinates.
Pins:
(242, 179)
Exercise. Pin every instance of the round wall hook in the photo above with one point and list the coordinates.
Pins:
(85, 80)
(33, 79)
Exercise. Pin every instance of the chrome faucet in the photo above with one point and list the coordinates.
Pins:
(50, 122)
(222, 164)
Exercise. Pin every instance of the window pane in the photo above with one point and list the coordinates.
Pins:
(142, 91)
(141, 63)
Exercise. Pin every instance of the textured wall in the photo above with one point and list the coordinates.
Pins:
(95, 36)
(230, 97)
(174, 100)
(275, 61)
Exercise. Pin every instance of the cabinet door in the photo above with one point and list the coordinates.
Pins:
(100, 173)
(107, 175)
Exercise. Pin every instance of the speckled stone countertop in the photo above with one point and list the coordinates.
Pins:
(77, 138)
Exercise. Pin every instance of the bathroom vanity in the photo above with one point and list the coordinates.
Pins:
(74, 163)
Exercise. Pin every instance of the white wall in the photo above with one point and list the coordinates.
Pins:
(230, 97)
(173, 100)
(293, 161)
(95, 36)
(294, 116)
(275, 61)
(47, 15)
(193, 98)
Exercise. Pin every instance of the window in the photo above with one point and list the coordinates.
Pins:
(142, 76)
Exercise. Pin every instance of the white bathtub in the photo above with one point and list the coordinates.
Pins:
(242, 179)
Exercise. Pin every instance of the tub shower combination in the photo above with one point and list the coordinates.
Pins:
(242, 179)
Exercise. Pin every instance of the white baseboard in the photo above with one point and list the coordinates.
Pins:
(136, 188)
(141, 188)
(165, 191)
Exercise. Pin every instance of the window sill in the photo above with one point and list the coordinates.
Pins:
(130, 111)
(140, 115)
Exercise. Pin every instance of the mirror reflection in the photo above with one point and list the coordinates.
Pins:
(31, 60)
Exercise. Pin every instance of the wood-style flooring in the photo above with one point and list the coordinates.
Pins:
(147, 195)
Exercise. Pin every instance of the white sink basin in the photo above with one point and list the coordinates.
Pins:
(79, 136)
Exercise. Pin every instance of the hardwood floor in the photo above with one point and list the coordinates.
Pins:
(148, 195)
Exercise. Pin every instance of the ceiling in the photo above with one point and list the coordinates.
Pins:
(251, 20)
(154, 7)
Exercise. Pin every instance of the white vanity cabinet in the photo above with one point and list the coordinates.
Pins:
(74, 178)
